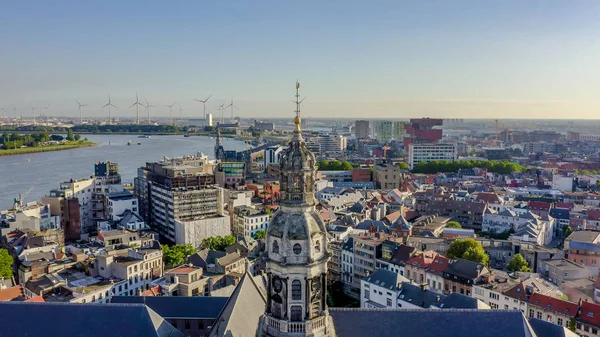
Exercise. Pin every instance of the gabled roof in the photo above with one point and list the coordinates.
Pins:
(402, 254)
(351, 322)
(559, 213)
(593, 214)
(548, 329)
(540, 205)
(11, 293)
(378, 226)
(130, 320)
(590, 313)
(438, 265)
(584, 236)
(490, 198)
(554, 304)
(192, 307)
(465, 268)
(385, 279)
(418, 296)
(422, 260)
(348, 245)
(242, 312)
(205, 257)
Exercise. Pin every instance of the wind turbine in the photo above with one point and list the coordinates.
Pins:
(137, 108)
(231, 106)
(204, 103)
(221, 108)
(171, 111)
(109, 104)
(181, 114)
(33, 112)
(3, 112)
(148, 106)
(47, 108)
(79, 106)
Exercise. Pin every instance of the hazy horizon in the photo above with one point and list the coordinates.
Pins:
(354, 59)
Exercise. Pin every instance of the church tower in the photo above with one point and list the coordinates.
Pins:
(297, 249)
(219, 150)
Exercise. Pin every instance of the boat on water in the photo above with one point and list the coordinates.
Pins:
(139, 143)
(144, 136)
(129, 142)
(186, 135)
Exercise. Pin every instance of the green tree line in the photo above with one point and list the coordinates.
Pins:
(88, 128)
(16, 140)
(436, 166)
(336, 165)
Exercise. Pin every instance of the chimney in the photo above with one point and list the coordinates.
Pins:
(437, 298)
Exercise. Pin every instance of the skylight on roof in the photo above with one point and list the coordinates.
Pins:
(591, 314)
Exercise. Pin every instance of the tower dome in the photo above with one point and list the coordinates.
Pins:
(297, 249)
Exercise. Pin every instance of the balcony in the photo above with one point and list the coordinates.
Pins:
(277, 327)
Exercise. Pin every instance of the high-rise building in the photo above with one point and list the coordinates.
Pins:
(362, 129)
(297, 251)
(423, 130)
(427, 153)
(332, 143)
(383, 130)
(174, 194)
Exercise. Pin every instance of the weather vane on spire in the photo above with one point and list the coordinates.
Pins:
(298, 101)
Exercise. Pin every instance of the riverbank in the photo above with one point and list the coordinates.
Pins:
(48, 148)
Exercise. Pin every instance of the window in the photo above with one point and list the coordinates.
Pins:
(275, 248)
(559, 321)
(531, 313)
(318, 246)
(297, 249)
(594, 331)
(187, 324)
(389, 302)
(296, 290)
(367, 294)
(296, 313)
(539, 315)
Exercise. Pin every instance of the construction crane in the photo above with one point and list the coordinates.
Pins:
(19, 200)
(385, 148)
(496, 120)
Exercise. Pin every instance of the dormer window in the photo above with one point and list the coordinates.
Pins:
(275, 248)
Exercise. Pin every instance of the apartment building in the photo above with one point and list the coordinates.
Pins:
(388, 176)
(178, 199)
(347, 263)
(426, 153)
(460, 275)
(248, 220)
(551, 309)
(583, 247)
(380, 289)
(505, 220)
(469, 214)
(368, 248)
(362, 129)
(331, 143)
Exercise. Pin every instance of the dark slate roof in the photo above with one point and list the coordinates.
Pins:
(560, 213)
(402, 254)
(464, 268)
(457, 301)
(383, 278)
(348, 245)
(358, 207)
(429, 323)
(380, 226)
(179, 306)
(548, 329)
(121, 195)
(205, 257)
(413, 294)
(42, 319)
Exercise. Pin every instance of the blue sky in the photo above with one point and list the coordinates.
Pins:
(463, 58)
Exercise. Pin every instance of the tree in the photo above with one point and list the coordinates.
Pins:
(453, 224)
(176, 255)
(6, 262)
(218, 242)
(260, 234)
(572, 324)
(518, 263)
(77, 137)
(567, 230)
(402, 165)
(468, 249)
(70, 135)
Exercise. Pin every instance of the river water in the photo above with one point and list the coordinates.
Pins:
(45, 170)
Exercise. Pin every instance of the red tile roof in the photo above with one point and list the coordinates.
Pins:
(568, 205)
(38, 299)
(540, 205)
(593, 214)
(183, 270)
(154, 291)
(590, 313)
(393, 216)
(11, 293)
(490, 198)
(554, 304)
(422, 260)
(519, 292)
(439, 264)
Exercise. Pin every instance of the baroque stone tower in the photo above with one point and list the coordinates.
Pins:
(297, 249)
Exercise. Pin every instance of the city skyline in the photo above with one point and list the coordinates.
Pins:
(387, 60)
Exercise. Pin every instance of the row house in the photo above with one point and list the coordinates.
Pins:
(380, 289)
(469, 214)
(551, 309)
(461, 275)
(428, 268)
(583, 247)
(505, 220)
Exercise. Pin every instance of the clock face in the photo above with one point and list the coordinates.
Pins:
(277, 284)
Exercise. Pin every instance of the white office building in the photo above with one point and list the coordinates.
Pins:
(427, 153)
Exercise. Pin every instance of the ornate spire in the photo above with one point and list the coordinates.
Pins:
(297, 121)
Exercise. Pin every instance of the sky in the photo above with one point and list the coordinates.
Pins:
(354, 59)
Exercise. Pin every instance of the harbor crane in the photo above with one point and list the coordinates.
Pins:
(19, 201)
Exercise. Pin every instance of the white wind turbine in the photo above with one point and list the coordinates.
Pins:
(33, 112)
(204, 103)
(231, 105)
(180, 114)
(171, 111)
(221, 108)
(79, 106)
(47, 108)
(137, 108)
(3, 112)
(148, 106)
(109, 105)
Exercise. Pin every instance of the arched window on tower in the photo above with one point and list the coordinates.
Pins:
(318, 246)
(275, 248)
(296, 290)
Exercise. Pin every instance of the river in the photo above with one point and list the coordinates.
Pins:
(45, 170)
